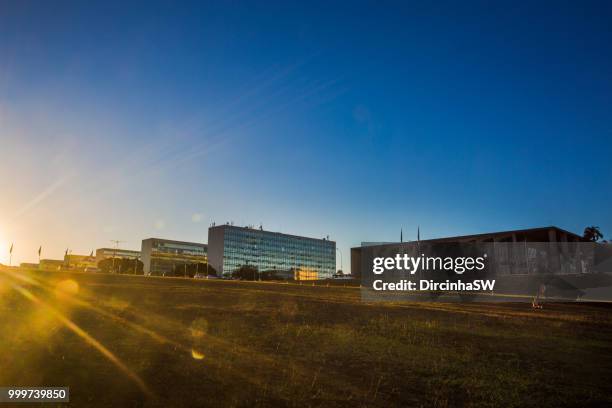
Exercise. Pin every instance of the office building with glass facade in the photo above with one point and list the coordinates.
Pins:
(164, 257)
(286, 256)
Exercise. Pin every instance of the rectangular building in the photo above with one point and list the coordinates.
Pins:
(107, 253)
(51, 264)
(28, 265)
(550, 234)
(80, 262)
(164, 257)
(288, 256)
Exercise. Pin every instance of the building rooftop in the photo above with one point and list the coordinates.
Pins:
(118, 250)
(172, 241)
(534, 233)
(260, 229)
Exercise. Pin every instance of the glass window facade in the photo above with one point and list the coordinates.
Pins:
(289, 256)
(161, 257)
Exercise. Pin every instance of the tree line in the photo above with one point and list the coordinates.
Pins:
(136, 267)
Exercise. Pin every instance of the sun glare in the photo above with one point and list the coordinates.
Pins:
(4, 249)
(66, 288)
(197, 355)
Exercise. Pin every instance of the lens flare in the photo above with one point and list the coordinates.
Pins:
(86, 337)
(66, 288)
(199, 328)
(196, 354)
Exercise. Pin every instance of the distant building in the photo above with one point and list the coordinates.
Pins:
(108, 253)
(543, 234)
(50, 264)
(28, 265)
(287, 256)
(73, 261)
(162, 257)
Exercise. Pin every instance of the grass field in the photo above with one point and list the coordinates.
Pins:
(135, 341)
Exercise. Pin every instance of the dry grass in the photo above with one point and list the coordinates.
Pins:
(218, 343)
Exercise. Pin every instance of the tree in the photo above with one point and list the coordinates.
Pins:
(246, 272)
(592, 234)
(190, 269)
(271, 274)
(121, 265)
(249, 272)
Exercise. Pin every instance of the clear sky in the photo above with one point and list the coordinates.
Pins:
(126, 121)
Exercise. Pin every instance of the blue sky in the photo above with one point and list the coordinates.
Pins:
(350, 119)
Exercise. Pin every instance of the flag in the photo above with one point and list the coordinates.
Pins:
(66, 253)
(39, 250)
(11, 249)
(91, 254)
(401, 235)
(419, 234)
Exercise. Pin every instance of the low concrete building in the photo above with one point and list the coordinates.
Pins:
(51, 264)
(28, 265)
(108, 253)
(550, 234)
(80, 262)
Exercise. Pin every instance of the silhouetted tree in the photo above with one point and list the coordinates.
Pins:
(249, 272)
(246, 272)
(592, 233)
(191, 269)
(121, 265)
(270, 274)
